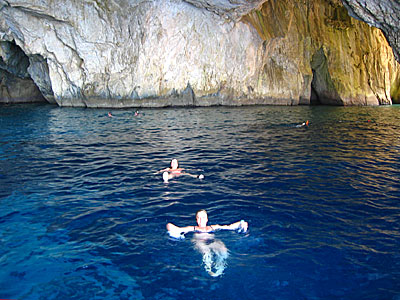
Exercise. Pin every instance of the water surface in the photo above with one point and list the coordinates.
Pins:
(83, 217)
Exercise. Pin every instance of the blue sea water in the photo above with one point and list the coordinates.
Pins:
(82, 216)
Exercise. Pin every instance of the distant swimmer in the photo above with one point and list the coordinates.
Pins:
(110, 115)
(175, 171)
(303, 124)
(213, 250)
(136, 113)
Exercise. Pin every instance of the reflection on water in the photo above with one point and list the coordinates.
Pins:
(83, 216)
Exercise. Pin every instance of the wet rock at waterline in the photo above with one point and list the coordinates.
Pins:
(171, 52)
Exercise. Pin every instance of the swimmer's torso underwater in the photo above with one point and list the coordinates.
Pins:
(213, 250)
(203, 236)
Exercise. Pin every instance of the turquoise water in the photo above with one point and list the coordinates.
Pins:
(82, 216)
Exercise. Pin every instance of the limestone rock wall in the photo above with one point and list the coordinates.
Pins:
(350, 63)
(134, 53)
(384, 15)
(381, 14)
(232, 10)
(173, 52)
(16, 85)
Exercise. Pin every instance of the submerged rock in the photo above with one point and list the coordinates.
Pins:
(174, 52)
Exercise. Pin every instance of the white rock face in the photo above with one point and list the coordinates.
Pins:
(124, 53)
(229, 9)
(119, 52)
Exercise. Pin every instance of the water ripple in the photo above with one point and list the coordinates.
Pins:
(82, 213)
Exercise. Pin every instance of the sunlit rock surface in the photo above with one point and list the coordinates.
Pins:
(174, 52)
(384, 15)
(347, 61)
(381, 14)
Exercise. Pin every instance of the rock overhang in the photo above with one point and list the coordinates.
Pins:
(130, 51)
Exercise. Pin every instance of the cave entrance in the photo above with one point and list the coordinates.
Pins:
(323, 90)
(19, 75)
(314, 99)
(395, 90)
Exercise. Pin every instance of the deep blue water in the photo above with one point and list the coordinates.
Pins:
(83, 217)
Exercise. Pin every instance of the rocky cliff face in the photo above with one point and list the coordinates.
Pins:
(384, 15)
(348, 62)
(16, 84)
(173, 52)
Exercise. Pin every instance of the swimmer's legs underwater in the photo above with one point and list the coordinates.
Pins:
(214, 256)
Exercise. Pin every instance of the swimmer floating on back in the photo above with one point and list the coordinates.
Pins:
(202, 220)
(213, 250)
(174, 171)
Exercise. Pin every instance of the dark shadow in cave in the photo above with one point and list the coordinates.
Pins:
(323, 90)
(23, 79)
(395, 90)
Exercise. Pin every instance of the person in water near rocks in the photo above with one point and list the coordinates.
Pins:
(213, 250)
(174, 171)
(303, 124)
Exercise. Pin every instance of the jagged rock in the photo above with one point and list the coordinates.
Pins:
(349, 62)
(173, 52)
(229, 9)
(15, 82)
(384, 15)
(13, 60)
(121, 53)
(39, 72)
(18, 90)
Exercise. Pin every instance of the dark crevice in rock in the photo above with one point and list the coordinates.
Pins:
(17, 84)
(13, 60)
(38, 14)
(322, 85)
(14, 89)
(39, 72)
(395, 90)
(314, 99)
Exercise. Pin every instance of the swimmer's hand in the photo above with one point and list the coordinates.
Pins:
(176, 234)
(240, 226)
(243, 226)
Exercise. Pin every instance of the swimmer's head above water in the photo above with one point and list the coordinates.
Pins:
(174, 164)
(202, 218)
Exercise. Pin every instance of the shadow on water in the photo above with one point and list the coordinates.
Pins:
(83, 216)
